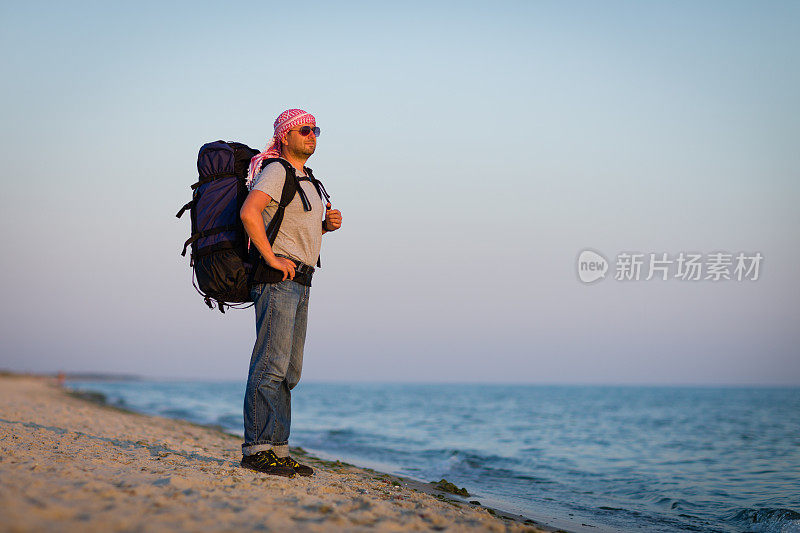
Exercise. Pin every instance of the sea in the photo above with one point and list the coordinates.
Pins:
(581, 458)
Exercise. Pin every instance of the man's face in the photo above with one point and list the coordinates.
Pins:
(301, 144)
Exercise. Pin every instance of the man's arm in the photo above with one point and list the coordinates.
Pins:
(253, 222)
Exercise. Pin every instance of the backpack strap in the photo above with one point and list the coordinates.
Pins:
(323, 195)
(188, 205)
(211, 178)
(290, 187)
(207, 233)
(258, 272)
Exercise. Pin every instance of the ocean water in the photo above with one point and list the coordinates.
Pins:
(584, 458)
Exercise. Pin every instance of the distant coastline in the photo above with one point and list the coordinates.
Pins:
(76, 376)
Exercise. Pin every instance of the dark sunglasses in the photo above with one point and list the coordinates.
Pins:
(305, 130)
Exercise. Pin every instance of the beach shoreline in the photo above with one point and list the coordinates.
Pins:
(90, 466)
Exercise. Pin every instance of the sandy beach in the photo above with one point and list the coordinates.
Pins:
(70, 464)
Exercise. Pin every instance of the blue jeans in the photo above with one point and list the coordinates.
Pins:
(275, 366)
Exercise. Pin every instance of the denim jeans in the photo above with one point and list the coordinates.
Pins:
(275, 366)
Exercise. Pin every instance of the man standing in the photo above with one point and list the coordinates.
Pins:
(281, 301)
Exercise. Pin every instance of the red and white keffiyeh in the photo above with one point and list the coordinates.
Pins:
(285, 121)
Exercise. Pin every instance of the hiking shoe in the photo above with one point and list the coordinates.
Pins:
(303, 470)
(267, 463)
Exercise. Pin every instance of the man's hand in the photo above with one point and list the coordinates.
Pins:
(333, 218)
(284, 265)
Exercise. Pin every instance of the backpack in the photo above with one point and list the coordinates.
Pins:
(219, 241)
(220, 258)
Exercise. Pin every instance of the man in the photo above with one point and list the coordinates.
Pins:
(281, 304)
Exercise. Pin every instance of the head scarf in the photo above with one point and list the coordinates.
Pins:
(285, 121)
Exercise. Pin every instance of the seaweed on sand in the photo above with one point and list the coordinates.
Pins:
(446, 486)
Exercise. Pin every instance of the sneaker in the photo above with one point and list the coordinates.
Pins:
(303, 470)
(267, 463)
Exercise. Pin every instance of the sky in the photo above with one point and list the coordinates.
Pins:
(474, 149)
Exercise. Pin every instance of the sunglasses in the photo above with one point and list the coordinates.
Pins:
(305, 130)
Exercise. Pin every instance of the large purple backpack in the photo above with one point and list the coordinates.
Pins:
(219, 255)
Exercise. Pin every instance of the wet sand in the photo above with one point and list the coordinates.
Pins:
(70, 464)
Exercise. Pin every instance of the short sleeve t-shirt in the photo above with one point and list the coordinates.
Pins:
(300, 234)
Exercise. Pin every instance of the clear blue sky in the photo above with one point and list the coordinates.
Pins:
(474, 150)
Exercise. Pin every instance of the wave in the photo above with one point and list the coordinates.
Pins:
(766, 520)
(176, 412)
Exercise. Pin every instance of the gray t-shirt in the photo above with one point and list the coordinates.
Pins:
(300, 234)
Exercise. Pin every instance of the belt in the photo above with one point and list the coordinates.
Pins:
(302, 272)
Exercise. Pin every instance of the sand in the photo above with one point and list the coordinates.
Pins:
(68, 464)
